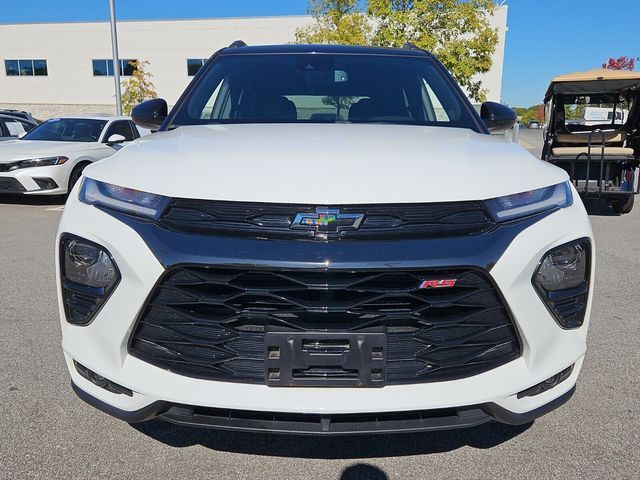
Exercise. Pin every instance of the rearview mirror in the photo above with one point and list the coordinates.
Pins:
(497, 117)
(150, 114)
(116, 138)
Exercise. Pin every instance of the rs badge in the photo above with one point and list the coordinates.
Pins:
(438, 283)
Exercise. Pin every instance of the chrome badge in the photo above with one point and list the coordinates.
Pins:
(327, 221)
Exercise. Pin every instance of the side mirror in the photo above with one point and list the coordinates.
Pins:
(116, 138)
(497, 117)
(150, 114)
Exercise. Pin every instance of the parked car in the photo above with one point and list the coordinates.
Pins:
(49, 159)
(533, 124)
(12, 128)
(19, 114)
(385, 266)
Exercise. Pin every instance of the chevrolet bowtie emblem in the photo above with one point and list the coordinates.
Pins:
(328, 220)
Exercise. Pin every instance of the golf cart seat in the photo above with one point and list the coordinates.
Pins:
(595, 150)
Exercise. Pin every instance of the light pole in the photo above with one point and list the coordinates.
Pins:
(116, 58)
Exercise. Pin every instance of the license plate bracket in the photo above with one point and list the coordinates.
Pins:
(325, 359)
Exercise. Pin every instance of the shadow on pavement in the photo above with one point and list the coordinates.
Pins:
(358, 446)
(44, 200)
(363, 471)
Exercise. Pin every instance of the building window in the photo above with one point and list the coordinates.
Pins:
(27, 68)
(104, 68)
(195, 64)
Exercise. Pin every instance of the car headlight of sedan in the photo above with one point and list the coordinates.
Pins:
(38, 162)
(122, 199)
(528, 203)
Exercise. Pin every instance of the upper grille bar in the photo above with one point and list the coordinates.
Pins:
(270, 220)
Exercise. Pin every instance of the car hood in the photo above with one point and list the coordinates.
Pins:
(326, 164)
(13, 150)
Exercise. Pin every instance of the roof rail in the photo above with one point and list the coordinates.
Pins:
(237, 44)
(410, 46)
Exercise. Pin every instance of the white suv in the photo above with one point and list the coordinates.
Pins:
(324, 240)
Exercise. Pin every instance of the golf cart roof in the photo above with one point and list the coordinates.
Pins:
(593, 82)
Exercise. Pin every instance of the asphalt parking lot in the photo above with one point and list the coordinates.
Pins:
(49, 433)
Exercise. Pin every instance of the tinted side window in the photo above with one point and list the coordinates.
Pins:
(134, 129)
(120, 128)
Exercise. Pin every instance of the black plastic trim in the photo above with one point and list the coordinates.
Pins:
(11, 185)
(136, 416)
(109, 385)
(173, 248)
(503, 415)
(46, 183)
(317, 424)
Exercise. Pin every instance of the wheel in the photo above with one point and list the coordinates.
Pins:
(623, 206)
(76, 173)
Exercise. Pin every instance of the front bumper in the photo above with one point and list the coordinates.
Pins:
(51, 180)
(319, 424)
(102, 347)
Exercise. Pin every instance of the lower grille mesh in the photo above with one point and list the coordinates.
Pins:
(11, 185)
(210, 322)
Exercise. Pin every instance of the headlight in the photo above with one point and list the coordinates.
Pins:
(38, 162)
(89, 275)
(122, 199)
(562, 282)
(527, 203)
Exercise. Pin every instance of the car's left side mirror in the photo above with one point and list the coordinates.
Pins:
(497, 117)
(115, 139)
(150, 114)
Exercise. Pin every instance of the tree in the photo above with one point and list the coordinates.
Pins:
(336, 22)
(456, 31)
(138, 88)
(531, 114)
(621, 63)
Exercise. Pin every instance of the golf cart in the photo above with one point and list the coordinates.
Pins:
(592, 130)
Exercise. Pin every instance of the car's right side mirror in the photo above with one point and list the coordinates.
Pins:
(150, 114)
(497, 117)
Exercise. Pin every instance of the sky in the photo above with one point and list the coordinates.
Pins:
(545, 38)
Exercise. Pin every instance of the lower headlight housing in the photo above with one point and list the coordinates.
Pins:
(562, 282)
(88, 275)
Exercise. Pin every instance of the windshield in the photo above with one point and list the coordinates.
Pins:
(603, 110)
(67, 130)
(324, 88)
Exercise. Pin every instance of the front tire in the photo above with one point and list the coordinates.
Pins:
(76, 174)
(623, 206)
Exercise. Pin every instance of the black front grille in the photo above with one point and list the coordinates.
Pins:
(270, 220)
(10, 185)
(210, 322)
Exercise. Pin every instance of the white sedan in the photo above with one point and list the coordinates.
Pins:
(50, 158)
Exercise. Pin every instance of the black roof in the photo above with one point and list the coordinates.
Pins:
(8, 116)
(335, 49)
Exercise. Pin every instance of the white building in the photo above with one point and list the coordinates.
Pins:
(54, 69)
